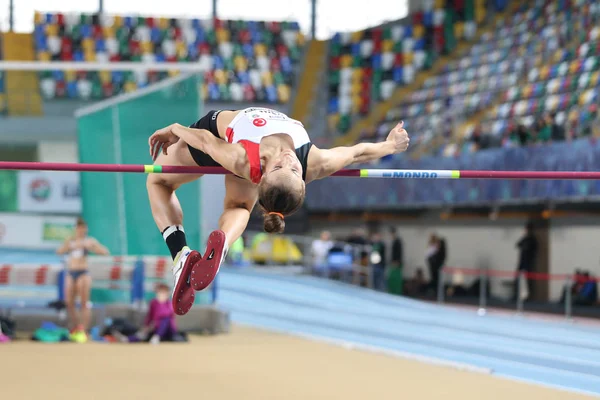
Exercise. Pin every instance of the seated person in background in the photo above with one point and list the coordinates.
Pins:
(159, 324)
(417, 285)
(588, 292)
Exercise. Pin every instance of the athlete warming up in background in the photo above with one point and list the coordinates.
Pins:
(78, 282)
(272, 159)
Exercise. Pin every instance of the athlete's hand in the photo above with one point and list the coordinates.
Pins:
(399, 137)
(162, 139)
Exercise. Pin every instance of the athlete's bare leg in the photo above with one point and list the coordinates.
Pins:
(166, 209)
(240, 197)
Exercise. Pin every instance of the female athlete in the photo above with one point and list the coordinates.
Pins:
(272, 159)
(78, 281)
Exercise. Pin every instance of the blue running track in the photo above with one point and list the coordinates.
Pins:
(558, 354)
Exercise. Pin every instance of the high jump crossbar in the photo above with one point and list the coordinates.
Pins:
(357, 173)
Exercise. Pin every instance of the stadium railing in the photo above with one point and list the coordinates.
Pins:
(518, 279)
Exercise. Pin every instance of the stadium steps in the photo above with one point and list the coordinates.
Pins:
(314, 63)
(22, 87)
(381, 109)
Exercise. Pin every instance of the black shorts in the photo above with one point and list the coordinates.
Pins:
(208, 122)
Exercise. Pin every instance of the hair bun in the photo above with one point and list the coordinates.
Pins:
(273, 223)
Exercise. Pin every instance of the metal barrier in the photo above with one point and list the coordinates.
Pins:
(519, 277)
(126, 279)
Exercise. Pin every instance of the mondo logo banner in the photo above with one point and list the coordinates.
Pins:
(43, 191)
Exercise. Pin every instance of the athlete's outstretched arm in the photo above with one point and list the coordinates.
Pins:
(323, 163)
(231, 156)
(97, 248)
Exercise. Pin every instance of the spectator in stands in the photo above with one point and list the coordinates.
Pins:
(521, 135)
(78, 282)
(528, 248)
(320, 249)
(436, 258)
(542, 128)
(584, 289)
(378, 261)
(557, 131)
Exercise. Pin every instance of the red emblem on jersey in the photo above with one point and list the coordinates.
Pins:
(259, 122)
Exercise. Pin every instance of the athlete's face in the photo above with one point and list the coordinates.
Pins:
(81, 231)
(286, 162)
(285, 169)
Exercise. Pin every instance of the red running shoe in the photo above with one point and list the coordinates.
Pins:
(183, 293)
(205, 270)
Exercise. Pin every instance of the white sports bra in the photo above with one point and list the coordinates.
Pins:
(252, 124)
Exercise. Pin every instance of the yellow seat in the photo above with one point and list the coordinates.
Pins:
(240, 63)
(387, 45)
(594, 78)
(260, 49)
(38, 18)
(573, 66)
(105, 76)
(70, 75)
(181, 49)
(544, 72)
(439, 4)
(357, 75)
(88, 44)
(52, 30)
(44, 56)
(220, 76)
(163, 23)
(89, 55)
(418, 31)
(459, 29)
(301, 39)
(173, 72)
(130, 86)
(356, 88)
(283, 91)
(118, 22)
(346, 61)
(222, 35)
(146, 47)
(267, 78)
(408, 58)
(356, 37)
(109, 31)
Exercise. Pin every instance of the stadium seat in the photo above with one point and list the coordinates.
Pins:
(262, 50)
(396, 52)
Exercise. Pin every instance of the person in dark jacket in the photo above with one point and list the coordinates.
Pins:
(436, 258)
(528, 247)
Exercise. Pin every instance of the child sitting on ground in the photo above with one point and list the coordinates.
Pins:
(159, 324)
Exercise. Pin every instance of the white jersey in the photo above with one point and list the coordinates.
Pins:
(253, 124)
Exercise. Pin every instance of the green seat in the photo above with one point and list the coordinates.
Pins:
(141, 21)
(344, 123)
(387, 33)
(85, 19)
(294, 53)
(335, 49)
(224, 93)
(96, 90)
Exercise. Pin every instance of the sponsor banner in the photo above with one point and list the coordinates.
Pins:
(49, 192)
(34, 231)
